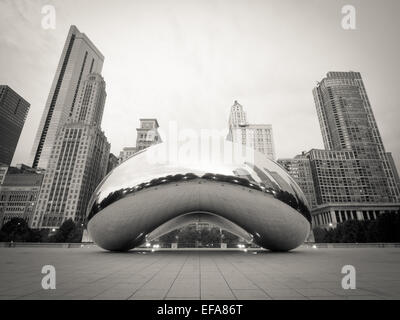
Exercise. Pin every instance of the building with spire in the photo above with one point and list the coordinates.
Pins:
(256, 136)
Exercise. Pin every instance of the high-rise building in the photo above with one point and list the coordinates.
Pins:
(147, 134)
(78, 160)
(18, 195)
(256, 136)
(348, 124)
(78, 59)
(353, 177)
(299, 168)
(13, 112)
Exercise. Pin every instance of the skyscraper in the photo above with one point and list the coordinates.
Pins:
(348, 123)
(13, 112)
(353, 176)
(256, 136)
(78, 160)
(78, 59)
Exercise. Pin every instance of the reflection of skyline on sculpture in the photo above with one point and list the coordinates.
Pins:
(226, 163)
(257, 200)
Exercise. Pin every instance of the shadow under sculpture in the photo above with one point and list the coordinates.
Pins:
(155, 192)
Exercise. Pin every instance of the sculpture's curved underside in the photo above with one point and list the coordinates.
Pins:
(144, 198)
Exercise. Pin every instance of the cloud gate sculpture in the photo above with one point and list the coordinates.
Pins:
(158, 190)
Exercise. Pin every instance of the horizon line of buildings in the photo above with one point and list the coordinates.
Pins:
(70, 154)
(352, 178)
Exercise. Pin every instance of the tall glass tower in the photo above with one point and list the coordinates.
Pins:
(78, 59)
(348, 124)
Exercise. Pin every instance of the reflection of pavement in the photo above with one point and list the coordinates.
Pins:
(91, 273)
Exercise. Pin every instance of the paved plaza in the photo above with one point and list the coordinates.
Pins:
(305, 273)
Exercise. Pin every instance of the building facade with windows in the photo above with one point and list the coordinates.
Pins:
(78, 161)
(348, 124)
(330, 215)
(256, 136)
(79, 58)
(147, 134)
(339, 176)
(354, 177)
(13, 112)
(299, 168)
(344, 190)
(336, 187)
(18, 195)
(389, 156)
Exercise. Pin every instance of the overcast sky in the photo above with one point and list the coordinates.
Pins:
(189, 60)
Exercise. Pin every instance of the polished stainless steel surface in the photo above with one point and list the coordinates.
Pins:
(158, 190)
